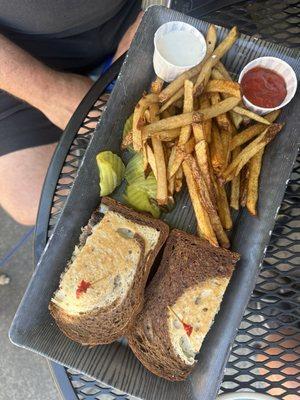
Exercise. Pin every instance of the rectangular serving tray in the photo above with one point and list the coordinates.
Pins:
(114, 364)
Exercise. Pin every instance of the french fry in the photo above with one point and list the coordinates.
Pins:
(205, 103)
(222, 119)
(173, 122)
(222, 86)
(235, 186)
(178, 83)
(223, 207)
(218, 53)
(127, 141)
(225, 139)
(203, 160)
(171, 180)
(252, 131)
(220, 108)
(165, 136)
(205, 229)
(178, 179)
(198, 131)
(172, 100)
(250, 150)
(145, 156)
(185, 130)
(251, 115)
(216, 150)
(151, 160)
(156, 85)
(244, 175)
(211, 39)
(207, 202)
(253, 179)
(223, 71)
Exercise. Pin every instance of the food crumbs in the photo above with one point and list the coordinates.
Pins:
(188, 328)
(82, 288)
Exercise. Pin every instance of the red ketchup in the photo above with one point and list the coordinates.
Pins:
(82, 288)
(188, 328)
(263, 87)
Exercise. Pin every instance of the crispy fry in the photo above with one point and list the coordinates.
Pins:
(222, 86)
(172, 100)
(205, 103)
(221, 49)
(136, 131)
(211, 39)
(151, 160)
(220, 108)
(178, 179)
(249, 151)
(223, 71)
(156, 85)
(251, 115)
(178, 83)
(176, 121)
(252, 130)
(165, 136)
(216, 150)
(204, 225)
(252, 187)
(207, 203)
(171, 180)
(145, 156)
(223, 207)
(244, 175)
(225, 139)
(204, 163)
(235, 186)
(222, 119)
(127, 141)
(198, 131)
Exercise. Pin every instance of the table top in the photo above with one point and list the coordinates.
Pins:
(265, 354)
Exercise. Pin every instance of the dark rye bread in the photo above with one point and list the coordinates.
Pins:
(187, 260)
(106, 324)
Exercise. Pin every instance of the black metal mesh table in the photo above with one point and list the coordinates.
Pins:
(265, 356)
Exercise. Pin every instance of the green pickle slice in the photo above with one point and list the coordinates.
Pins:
(111, 169)
(138, 198)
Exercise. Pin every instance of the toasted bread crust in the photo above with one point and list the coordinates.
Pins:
(107, 324)
(187, 260)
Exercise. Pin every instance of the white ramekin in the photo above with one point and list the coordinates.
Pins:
(245, 396)
(283, 69)
(163, 68)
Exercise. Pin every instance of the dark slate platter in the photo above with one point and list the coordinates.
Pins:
(114, 364)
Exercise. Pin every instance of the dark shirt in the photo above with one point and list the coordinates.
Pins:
(75, 35)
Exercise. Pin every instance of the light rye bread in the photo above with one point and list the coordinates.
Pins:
(114, 258)
(180, 305)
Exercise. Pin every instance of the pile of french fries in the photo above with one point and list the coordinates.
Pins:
(192, 128)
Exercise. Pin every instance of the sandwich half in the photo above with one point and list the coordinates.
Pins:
(102, 288)
(181, 303)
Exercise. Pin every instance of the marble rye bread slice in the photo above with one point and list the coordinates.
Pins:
(180, 305)
(102, 289)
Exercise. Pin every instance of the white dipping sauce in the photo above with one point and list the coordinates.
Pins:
(180, 48)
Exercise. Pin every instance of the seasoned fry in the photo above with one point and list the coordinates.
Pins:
(222, 119)
(251, 115)
(136, 131)
(225, 139)
(207, 202)
(185, 130)
(252, 187)
(211, 39)
(165, 136)
(216, 150)
(252, 130)
(244, 175)
(127, 141)
(223, 207)
(171, 180)
(172, 100)
(222, 86)
(145, 156)
(220, 108)
(178, 179)
(176, 121)
(205, 103)
(177, 84)
(249, 151)
(156, 85)
(223, 71)
(151, 160)
(198, 131)
(235, 186)
(189, 147)
(203, 160)
(218, 53)
(204, 225)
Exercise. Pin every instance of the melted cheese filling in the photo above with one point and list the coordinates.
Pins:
(108, 261)
(197, 307)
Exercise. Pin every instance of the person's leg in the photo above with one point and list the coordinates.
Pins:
(27, 143)
(21, 180)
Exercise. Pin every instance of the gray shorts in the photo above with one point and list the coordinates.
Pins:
(23, 126)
